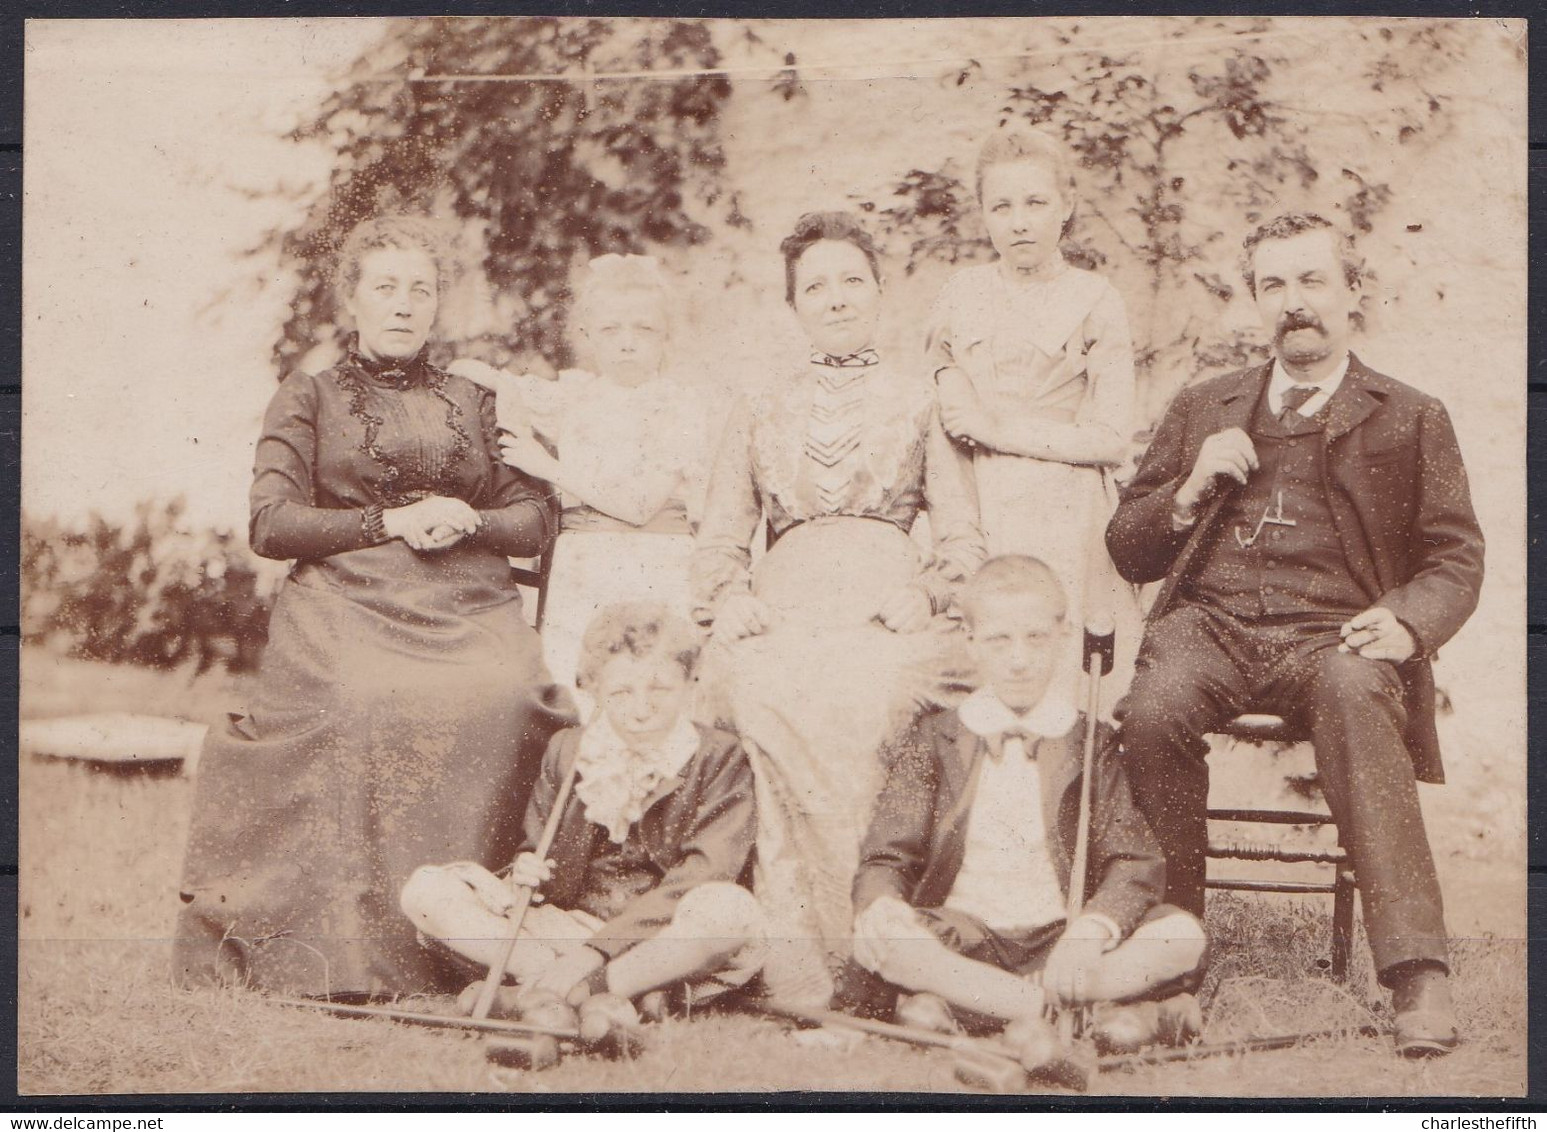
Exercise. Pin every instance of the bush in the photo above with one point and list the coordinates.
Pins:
(149, 592)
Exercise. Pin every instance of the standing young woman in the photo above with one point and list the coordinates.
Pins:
(1035, 369)
(402, 706)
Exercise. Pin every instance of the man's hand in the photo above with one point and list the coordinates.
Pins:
(1073, 959)
(906, 609)
(569, 969)
(1229, 453)
(962, 412)
(741, 615)
(879, 926)
(1376, 634)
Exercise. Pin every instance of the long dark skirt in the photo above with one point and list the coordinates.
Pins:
(398, 720)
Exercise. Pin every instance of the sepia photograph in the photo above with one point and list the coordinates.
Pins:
(569, 555)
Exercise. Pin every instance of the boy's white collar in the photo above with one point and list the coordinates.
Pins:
(986, 715)
(617, 783)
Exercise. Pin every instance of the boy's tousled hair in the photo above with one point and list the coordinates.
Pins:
(1010, 574)
(639, 628)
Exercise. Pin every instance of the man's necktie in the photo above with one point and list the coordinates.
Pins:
(1294, 400)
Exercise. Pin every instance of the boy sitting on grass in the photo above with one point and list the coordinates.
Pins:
(962, 888)
(640, 891)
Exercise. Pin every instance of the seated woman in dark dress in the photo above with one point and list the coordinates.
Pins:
(402, 706)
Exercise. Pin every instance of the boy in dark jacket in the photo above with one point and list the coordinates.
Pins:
(640, 889)
(962, 889)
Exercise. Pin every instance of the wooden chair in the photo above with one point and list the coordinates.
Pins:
(535, 577)
(1273, 729)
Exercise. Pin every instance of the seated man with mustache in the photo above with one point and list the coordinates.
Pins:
(1312, 523)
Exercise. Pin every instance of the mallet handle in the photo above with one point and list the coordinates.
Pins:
(436, 1021)
(1099, 638)
(957, 1042)
(517, 914)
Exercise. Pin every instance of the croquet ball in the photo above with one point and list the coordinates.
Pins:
(535, 1053)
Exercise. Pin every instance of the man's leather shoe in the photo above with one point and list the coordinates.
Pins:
(1425, 1017)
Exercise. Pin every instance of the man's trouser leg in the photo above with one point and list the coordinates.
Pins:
(1189, 683)
(1354, 711)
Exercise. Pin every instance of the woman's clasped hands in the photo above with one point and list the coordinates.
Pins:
(433, 523)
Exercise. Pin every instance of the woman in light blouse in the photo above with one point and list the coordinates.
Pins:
(838, 635)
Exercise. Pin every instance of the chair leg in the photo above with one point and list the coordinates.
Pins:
(1342, 923)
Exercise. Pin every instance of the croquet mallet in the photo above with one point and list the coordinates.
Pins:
(517, 914)
(515, 1045)
(999, 1067)
(1098, 652)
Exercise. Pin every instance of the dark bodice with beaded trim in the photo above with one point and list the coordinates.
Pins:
(349, 437)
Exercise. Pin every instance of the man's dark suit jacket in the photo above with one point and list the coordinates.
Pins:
(913, 849)
(1399, 499)
(698, 827)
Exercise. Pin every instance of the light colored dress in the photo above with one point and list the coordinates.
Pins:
(1058, 350)
(841, 460)
(637, 461)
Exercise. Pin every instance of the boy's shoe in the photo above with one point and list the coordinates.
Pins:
(505, 1001)
(1046, 1058)
(609, 1024)
(546, 1009)
(1180, 1020)
(656, 1006)
(926, 1011)
(1133, 1026)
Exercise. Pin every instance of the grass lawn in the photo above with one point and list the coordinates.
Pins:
(96, 1013)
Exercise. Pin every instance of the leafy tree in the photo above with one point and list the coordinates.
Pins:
(542, 171)
(1174, 157)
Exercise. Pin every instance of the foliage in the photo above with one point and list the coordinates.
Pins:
(1176, 158)
(149, 592)
(541, 173)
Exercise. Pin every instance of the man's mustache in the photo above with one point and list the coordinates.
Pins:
(1299, 322)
